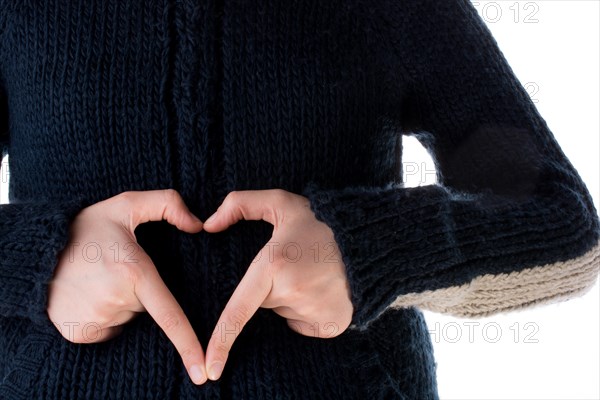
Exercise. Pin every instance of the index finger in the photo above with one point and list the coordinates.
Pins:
(249, 295)
(160, 303)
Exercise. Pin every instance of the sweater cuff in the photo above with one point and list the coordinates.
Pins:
(31, 237)
(375, 225)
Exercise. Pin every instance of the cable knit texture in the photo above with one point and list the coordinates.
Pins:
(98, 97)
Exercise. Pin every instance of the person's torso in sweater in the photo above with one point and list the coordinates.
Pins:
(204, 97)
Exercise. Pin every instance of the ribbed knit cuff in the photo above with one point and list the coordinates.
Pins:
(385, 236)
(398, 241)
(31, 237)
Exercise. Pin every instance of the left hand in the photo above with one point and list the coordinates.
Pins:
(298, 273)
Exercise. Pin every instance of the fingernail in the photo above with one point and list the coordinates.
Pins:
(214, 372)
(211, 218)
(197, 375)
(195, 218)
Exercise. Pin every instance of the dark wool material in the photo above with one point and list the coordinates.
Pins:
(98, 97)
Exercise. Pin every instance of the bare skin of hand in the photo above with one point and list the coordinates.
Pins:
(104, 278)
(299, 273)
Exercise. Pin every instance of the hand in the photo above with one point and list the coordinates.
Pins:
(104, 278)
(298, 274)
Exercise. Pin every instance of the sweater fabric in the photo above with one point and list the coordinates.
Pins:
(98, 97)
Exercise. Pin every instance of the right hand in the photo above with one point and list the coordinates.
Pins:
(104, 277)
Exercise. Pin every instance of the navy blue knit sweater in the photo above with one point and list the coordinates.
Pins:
(98, 97)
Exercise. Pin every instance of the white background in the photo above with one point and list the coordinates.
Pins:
(549, 352)
(556, 355)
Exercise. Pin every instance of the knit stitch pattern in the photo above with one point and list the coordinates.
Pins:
(98, 97)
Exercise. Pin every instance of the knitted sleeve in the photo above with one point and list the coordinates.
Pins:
(32, 235)
(509, 223)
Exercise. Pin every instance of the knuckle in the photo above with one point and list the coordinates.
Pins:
(232, 197)
(171, 195)
(221, 347)
(171, 320)
(116, 298)
(280, 196)
(122, 204)
(186, 354)
(237, 317)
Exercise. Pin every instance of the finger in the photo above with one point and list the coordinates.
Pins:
(158, 205)
(164, 309)
(263, 205)
(245, 300)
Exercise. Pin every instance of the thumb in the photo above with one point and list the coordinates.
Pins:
(158, 205)
(247, 205)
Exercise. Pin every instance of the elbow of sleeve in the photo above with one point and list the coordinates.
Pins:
(559, 261)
